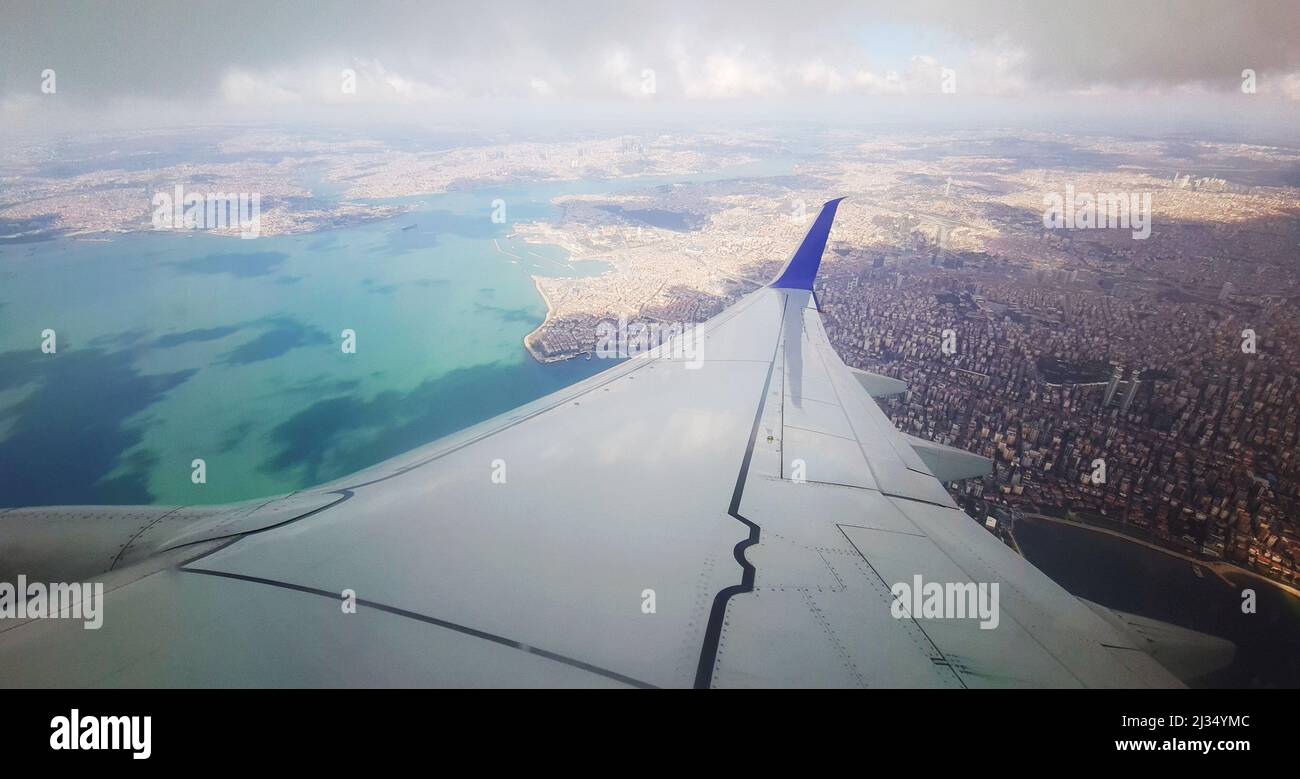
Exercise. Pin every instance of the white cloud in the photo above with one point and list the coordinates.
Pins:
(316, 84)
(541, 87)
(723, 74)
(1287, 85)
(818, 76)
(624, 77)
(240, 87)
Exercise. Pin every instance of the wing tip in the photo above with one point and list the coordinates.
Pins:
(801, 270)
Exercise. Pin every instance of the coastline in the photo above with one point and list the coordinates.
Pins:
(550, 304)
(1217, 567)
(550, 309)
(550, 312)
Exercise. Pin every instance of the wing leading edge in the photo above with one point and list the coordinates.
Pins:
(740, 521)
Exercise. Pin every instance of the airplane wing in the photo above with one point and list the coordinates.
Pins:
(736, 518)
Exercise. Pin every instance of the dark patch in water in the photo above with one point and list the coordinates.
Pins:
(235, 436)
(342, 435)
(71, 432)
(125, 340)
(509, 314)
(244, 266)
(285, 335)
(326, 241)
(197, 335)
(322, 385)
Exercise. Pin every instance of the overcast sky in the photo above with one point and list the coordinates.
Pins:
(180, 63)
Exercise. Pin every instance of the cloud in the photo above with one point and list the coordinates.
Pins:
(1124, 43)
(725, 74)
(819, 76)
(240, 87)
(622, 77)
(360, 81)
(252, 55)
(1288, 86)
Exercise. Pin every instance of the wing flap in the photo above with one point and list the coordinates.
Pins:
(878, 386)
(948, 463)
(73, 543)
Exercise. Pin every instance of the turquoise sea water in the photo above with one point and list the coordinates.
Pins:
(176, 346)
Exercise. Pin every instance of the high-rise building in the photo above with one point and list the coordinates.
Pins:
(1130, 391)
(1117, 373)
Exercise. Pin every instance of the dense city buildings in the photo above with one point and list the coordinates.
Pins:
(1198, 451)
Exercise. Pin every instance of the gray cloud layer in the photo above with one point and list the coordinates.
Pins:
(256, 53)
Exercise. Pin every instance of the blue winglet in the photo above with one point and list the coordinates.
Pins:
(801, 270)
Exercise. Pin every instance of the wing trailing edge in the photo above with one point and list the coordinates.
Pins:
(948, 463)
(878, 386)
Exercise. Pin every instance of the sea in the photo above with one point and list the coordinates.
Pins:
(177, 346)
(1136, 579)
